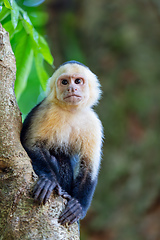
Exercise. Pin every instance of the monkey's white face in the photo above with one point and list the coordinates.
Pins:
(72, 89)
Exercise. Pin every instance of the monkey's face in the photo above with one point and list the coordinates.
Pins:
(72, 89)
(73, 86)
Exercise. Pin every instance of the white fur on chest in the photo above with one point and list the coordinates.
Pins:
(65, 130)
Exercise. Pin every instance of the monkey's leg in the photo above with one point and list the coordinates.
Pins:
(82, 193)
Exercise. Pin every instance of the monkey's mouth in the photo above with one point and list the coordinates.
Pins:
(72, 96)
(72, 99)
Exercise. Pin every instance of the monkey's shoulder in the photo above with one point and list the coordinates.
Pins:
(50, 118)
(58, 127)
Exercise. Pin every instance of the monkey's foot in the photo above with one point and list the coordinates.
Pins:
(72, 212)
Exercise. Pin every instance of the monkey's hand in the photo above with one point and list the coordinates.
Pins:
(72, 212)
(43, 189)
(63, 193)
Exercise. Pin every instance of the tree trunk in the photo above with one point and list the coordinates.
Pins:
(20, 217)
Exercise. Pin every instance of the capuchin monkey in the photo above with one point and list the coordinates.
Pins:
(63, 137)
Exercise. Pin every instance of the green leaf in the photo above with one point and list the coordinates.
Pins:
(9, 28)
(26, 21)
(32, 3)
(14, 14)
(42, 74)
(39, 43)
(44, 49)
(4, 13)
(24, 58)
(31, 95)
(8, 4)
(38, 18)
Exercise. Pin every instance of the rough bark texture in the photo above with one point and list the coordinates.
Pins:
(20, 216)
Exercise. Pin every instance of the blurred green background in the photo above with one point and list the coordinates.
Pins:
(120, 42)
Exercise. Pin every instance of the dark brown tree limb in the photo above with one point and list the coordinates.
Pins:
(20, 217)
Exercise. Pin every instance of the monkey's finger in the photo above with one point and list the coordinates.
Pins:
(44, 191)
(63, 220)
(71, 217)
(37, 185)
(62, 193)
(72, 212)
(65, 195)
(50, 189)
(67, 212)
(40, 180)
(64, 216)
(69, 209)
(58, 190)
(75, 217)
(39, 189)
(71, 203)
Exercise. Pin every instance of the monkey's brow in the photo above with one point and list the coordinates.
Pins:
(67, 76)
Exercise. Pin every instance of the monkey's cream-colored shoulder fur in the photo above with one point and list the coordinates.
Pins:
(92, 141)
(80, 131)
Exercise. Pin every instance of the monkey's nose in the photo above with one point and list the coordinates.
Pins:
(72, 89)
(69, 89)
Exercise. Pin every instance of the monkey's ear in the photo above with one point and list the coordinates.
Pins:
(51, 87)
(48, 88)
(51, 84)
(95, 90)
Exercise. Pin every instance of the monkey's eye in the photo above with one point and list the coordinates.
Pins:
(64, 82)
(78, 81)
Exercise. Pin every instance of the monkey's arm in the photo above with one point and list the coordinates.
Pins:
(44, 165)
(83, 190)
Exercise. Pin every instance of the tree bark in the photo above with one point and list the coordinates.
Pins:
(20, 217)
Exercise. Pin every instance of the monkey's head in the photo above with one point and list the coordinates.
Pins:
(74, 85)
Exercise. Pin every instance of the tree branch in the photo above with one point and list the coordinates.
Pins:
(20, 217)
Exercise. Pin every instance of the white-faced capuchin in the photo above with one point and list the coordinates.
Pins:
(63, 137)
